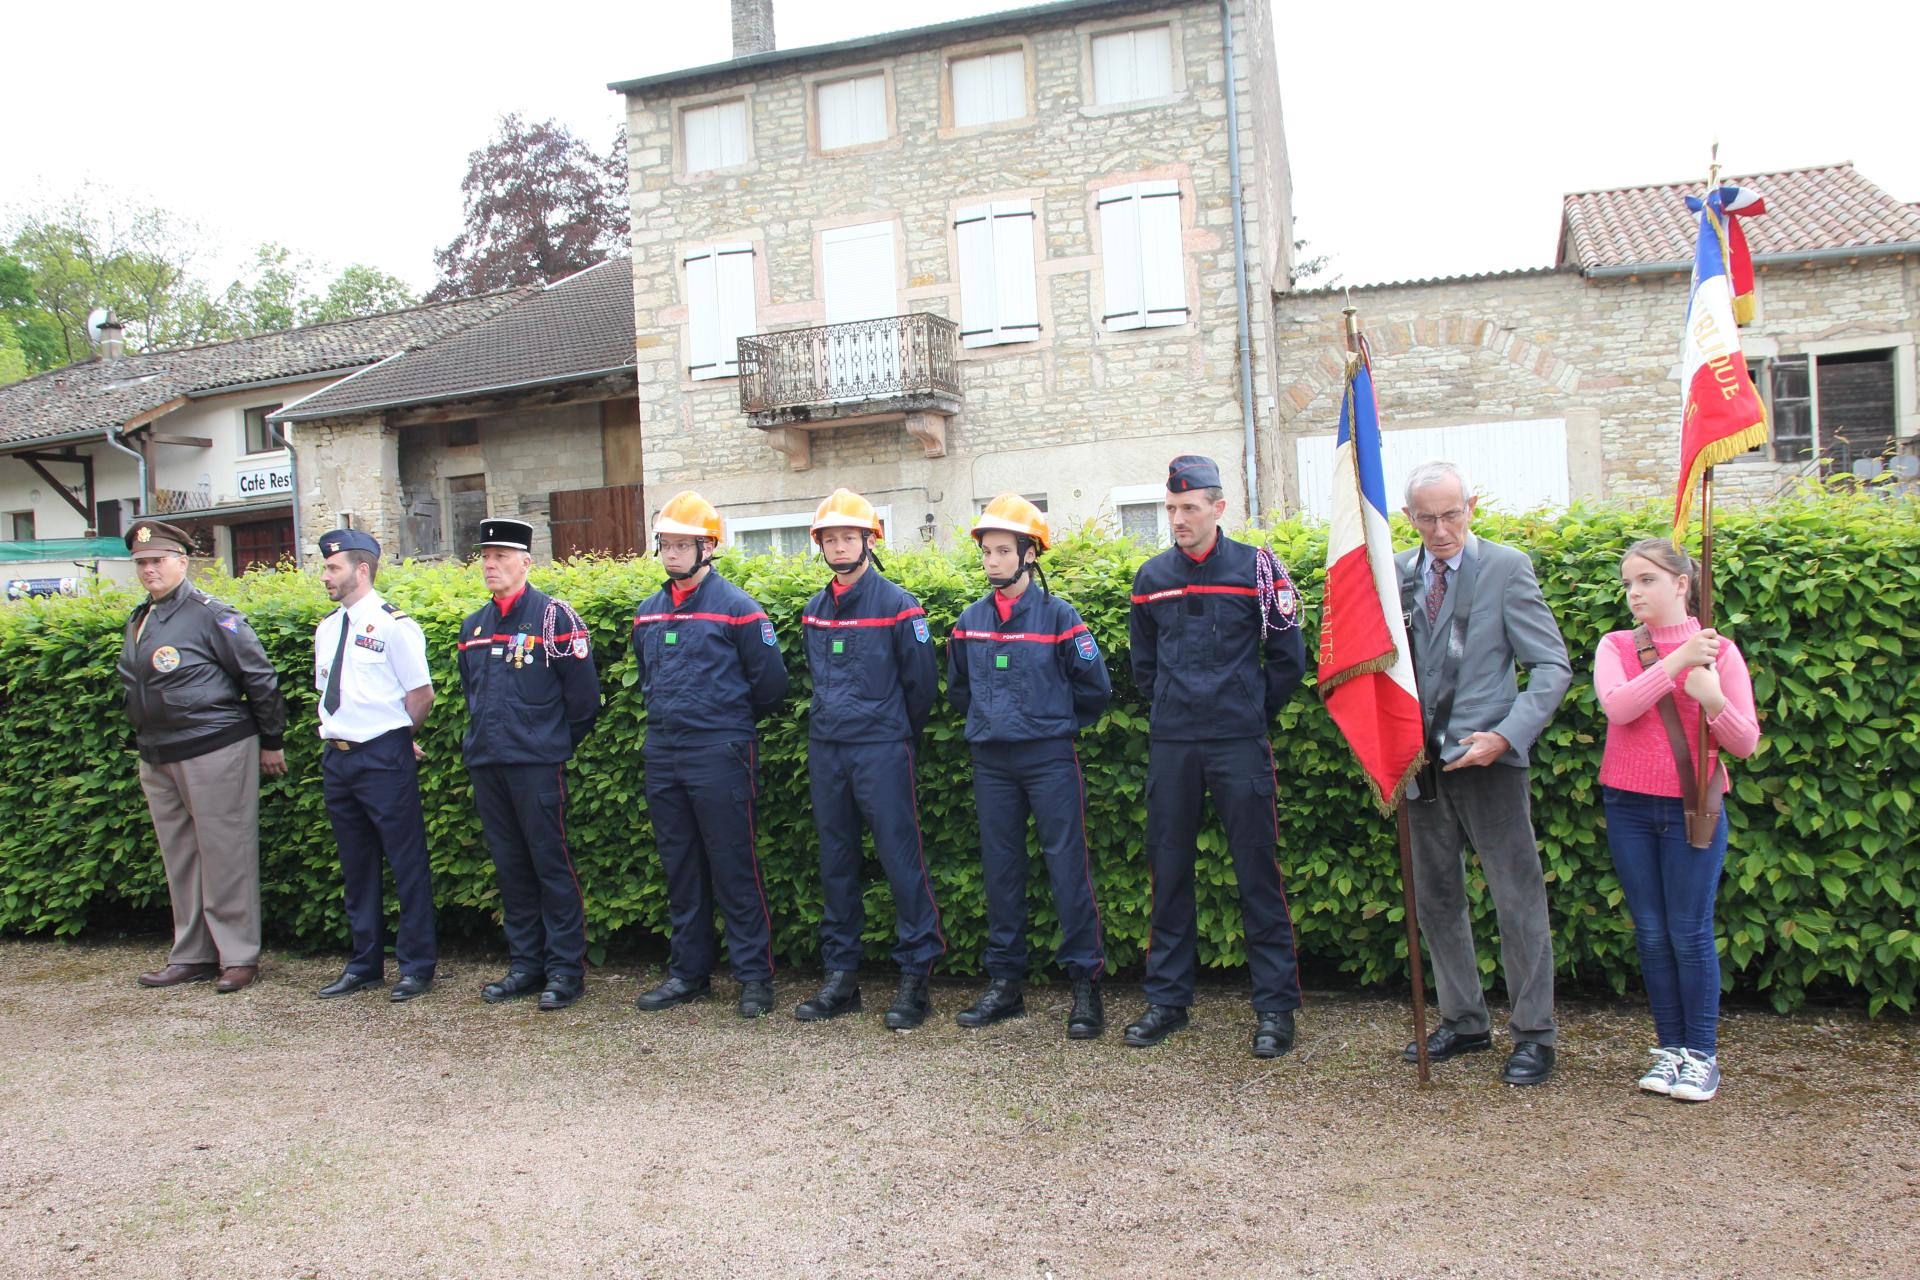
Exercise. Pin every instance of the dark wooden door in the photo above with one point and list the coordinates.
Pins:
(263, 542)
(606, 522)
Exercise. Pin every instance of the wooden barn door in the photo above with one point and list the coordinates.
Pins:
(605, 522)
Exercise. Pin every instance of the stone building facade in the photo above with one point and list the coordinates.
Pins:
(1038, 122)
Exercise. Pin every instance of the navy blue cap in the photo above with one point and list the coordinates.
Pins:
(517, 534)
(1192, 471)
(348, 540)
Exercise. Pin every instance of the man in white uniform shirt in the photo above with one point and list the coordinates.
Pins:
(370, 666)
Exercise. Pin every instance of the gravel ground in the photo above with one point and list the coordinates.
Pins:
(266, 1134)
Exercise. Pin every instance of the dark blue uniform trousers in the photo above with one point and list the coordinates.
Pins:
(871, 782)
(1011, 779)
(702, 803)
(372, 790)
(1238, 773)
(523, 811)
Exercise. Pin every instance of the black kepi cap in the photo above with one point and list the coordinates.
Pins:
(157, 537)
(338, 540)
(517, 534)
(1192, 471)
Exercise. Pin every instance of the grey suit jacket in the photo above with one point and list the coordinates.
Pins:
(1509, 625)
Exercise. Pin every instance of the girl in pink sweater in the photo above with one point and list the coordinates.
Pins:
(1669, 885)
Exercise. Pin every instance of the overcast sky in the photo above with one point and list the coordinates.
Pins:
(1425, 139)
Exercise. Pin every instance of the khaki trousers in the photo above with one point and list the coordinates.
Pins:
(206, 812)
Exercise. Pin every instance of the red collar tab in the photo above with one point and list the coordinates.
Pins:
(1202, 557)
(681, 590)
(1004, 606)
(505, 603)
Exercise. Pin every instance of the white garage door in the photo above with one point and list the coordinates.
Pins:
(1516, 466)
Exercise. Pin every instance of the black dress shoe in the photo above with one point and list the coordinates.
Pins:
(1155, 1025)
(518, 984)
(1446, 1043)
(410, 987)
(672, 992)
(839, 994)
(348, 983)
(563, 989)
(1087, 1019)
(756, 1000)
(1530, 1063)
(1273, 1036)
(910, 1004)
(1003, 998)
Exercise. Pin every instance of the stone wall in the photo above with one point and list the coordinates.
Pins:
(1603, 354)
(1083, 409)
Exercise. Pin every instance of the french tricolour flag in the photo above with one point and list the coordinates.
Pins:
(1721, 414)
(1366, 669)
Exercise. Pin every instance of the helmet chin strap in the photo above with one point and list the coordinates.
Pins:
(700, 561)
(1021, 547)
(866, 554)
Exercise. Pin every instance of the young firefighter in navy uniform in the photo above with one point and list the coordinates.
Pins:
(874, 682)
(1216, 646)
(1026, 673)
(526, 667)
(710, 668)
(370, 666)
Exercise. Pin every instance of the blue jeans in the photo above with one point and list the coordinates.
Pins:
(1670, 888)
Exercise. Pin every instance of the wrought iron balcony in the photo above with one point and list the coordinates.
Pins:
(866, 369)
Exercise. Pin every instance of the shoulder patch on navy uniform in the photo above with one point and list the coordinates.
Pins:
(920, 630)
(1084, 643)
(230, 622)
(766, 632)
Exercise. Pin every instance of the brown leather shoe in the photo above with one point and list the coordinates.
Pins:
(174, 974)
(236, 977)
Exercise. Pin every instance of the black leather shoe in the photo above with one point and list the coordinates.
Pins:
(672, 992)
(1530, 1063)
(1088, 1017)
(839, 994)
(910, 1005)
(1155, 1025)
(348, 983)
(756, 1000)
(1446, 1043)
(410, 987)
(518, 984)
(563, 989)
(1273, 1036)
(1003, 998)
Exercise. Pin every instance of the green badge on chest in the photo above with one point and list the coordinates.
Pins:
(839, 646)
(1000, 661)
(673, 637)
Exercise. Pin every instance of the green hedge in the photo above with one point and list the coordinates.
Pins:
(1824, 596)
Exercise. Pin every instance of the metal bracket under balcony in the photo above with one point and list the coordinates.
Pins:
(896, 367)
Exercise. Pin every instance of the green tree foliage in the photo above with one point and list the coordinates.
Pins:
(1823, 877)
(358, 290)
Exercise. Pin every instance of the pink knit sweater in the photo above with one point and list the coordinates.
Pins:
(1638, 756)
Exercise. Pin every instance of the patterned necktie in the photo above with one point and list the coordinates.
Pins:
(331, 698)
(1437, 592)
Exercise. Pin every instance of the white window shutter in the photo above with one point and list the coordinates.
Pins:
(700, 129)
(972, 91)
(1113, 68)
(730, 119)
(1125, 305)
(835, 101)
(870, 95)
(1009, 84)
(1019, 306)
(1152, 62)
(703, 316)
(1162, 258)
(979, 300)
(734, 292)
(852, 111)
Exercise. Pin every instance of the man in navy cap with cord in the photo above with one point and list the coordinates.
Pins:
(526, 667)
(370, 666)
(1215, 631)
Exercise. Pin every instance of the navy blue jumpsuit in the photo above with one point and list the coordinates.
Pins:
(709, 669)
(1216, 683)
(874, 681)
(1026, 685)
(531, 698)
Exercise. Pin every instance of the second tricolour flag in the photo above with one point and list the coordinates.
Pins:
(1366, 669)
(1721, 416)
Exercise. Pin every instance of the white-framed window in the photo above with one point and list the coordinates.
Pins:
(1141, 256)
(1037, 499)
(786, 534)
(719, 308)
(1133, 66)
(852, 111)
(1141, 510)
(714, 135)
(259, 435)
(999, 299)
(989, 87)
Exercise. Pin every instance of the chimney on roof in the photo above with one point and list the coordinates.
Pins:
(752, 27)
(113, 340)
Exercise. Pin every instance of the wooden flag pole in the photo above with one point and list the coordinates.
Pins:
(1704, 777)
(1406, 841)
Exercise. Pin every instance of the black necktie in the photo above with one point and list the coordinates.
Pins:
(331, 698)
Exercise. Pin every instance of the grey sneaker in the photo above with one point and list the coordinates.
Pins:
(1665, 1071)
(1699, 1077)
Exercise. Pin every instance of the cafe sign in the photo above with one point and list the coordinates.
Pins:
(274, 480)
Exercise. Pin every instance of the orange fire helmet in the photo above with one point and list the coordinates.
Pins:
(1015, 515)
(689, 514)
(845, 509)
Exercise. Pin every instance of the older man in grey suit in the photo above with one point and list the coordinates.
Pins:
(1475, 611)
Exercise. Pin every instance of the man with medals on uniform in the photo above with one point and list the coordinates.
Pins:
(709, 670)
(1215, 632)
(874, 682)
(526, 669)
(1025, 672)
(370, 667)
(208, 719)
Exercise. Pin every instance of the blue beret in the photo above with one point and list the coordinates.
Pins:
(347, 540)
(1191, 471)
